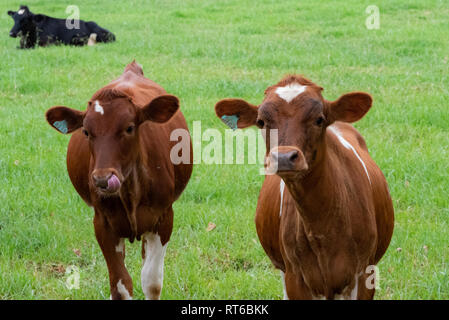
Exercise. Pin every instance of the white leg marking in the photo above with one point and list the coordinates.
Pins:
(347, 145)
(352, 295)
(152, 274)
(122, 290)
(290, 91)
(92, 39)
(355, 291)
(340, 296)
(98, 108)
(281, 187)
(283, 283)
(345, 294)
(121, 246)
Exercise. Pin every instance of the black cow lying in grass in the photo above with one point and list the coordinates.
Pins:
(44, 30)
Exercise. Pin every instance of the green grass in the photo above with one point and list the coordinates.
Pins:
(203, 51)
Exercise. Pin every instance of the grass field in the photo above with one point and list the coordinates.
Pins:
(203, 51)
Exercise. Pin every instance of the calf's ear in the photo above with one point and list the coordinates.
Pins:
(11, 13)
(64, 119)
(350, 107)
(160, 109)
(236, 113)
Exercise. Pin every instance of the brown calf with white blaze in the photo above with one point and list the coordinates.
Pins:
(118, 160)
(326, 215)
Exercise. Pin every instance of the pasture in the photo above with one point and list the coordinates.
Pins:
(203, 51)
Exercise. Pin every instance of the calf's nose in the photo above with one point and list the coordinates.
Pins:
(106, 181)
(281, 159)
(286, 160)
(101, 181)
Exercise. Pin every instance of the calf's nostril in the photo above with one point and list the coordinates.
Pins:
(293, 156)
(101, 182)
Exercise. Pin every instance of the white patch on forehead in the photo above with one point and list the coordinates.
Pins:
(21, 11)
(121, 246)
(281, 188)
(98, 108)
(123, 291)
(290, 91)
(347, 145)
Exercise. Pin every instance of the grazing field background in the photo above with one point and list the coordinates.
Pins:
(203, 51)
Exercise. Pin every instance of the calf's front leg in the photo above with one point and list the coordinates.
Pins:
(154, 246)
(113, 248)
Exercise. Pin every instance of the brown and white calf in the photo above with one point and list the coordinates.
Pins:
(118, 160)
(325, 218)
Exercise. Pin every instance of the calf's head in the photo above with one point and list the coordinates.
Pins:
(111, 128)
(296, 108)
(23, 19)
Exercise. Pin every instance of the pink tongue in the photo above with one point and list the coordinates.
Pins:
(113, 183)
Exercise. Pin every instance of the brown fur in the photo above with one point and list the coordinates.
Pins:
(334, 223)
(150, 183)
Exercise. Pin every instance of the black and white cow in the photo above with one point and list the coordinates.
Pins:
(44, 30)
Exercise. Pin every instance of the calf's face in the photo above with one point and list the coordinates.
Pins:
(111, 128)
(22, 18)
(296, 108)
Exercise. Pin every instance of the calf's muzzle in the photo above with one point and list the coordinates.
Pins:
(106, 181)
(285, 159)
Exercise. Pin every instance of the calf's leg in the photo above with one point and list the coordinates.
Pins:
(295, 288)
(367, 286)
(113, 249)
(154, 246)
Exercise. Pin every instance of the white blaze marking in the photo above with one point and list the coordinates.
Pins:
(281, 187)
(283, 283)
(152, 274)
(98, 108)
(123, 291)
(347, 145)
(21, 11)
(121, 246)
(291, 91)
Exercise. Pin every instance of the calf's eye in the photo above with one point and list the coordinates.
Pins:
(260, 123)
(130, 129)
(319, 121)
(85, 132)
